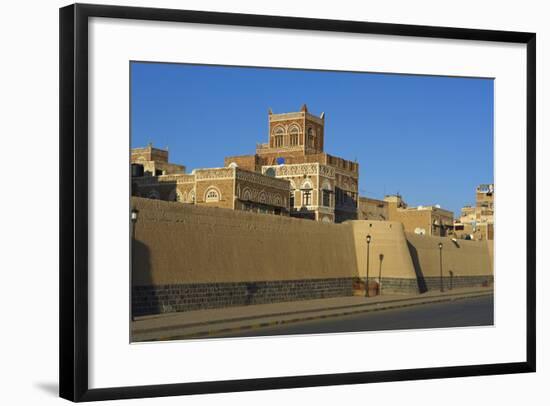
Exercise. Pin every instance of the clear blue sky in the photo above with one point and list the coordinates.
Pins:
(428, 138)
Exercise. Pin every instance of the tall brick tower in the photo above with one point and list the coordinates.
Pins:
(293, 134)
(323, 187)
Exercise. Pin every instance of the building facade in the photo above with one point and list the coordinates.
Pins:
(424, 220)
(232, 188)
(477, 223)
(154, 161)
(323, 187)
(372, 209)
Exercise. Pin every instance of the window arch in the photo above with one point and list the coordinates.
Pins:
(262, 197)
(326, 192)
(180, 196)
(212, 194)
(191, 196)
(246, 194)
(306, 193)
(294, 135)
(278, 136)
(311, 137)
(306, 184)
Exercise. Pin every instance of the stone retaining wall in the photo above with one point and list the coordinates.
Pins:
(413, 286)
(147, 300)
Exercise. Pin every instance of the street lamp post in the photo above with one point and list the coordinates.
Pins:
(381, 256)
(133, 218)
(368, 263)
(441, 267)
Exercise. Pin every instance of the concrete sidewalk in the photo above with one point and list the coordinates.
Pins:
(210, 322)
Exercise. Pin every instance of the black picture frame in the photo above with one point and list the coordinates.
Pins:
(73, 180)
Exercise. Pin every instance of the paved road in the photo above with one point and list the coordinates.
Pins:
(458, 313)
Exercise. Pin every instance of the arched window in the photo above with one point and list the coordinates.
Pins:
(294, 135)
(311, 137)
(278, 136)
(306, 197)
(306, 184)
(262, 197)
(292, 194)
(306, 193)
(212, 195)
(326, 191)
(191, 196)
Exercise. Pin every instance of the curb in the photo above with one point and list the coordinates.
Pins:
(352, 309)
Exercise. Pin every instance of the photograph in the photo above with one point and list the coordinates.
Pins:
(276, 201)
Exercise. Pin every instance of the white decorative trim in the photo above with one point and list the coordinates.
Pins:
(262, 179)
(306, 184)
(210, 189)
(214, 173)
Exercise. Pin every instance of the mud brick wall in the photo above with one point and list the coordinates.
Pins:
(188, 257)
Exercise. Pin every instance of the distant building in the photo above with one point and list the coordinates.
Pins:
(153, 161)
(372, 209)
(477, 223)
(323, 187)
(424, 220)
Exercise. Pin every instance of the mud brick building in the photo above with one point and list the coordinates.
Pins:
(424, 220)
(477, 223)
(153, 162)
(322, 187)
(230, 188)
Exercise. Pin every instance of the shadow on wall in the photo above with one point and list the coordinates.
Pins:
(145, 299)
(422, 286)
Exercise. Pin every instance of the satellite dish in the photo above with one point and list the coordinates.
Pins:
(233, 165)
(280, 161)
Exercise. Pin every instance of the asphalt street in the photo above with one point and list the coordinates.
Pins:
(457, 313)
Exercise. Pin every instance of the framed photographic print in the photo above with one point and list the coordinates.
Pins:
(256, 202)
